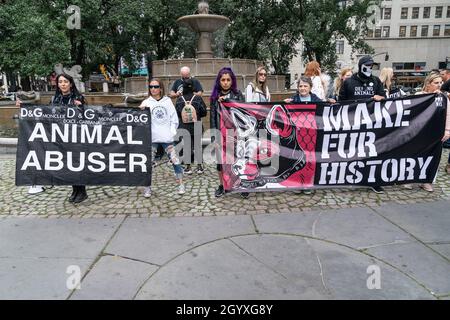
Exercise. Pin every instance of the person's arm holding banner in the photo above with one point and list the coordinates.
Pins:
(447, 123)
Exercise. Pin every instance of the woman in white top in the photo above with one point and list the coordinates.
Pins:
(258, 91)
(164, 128)
(313, 71)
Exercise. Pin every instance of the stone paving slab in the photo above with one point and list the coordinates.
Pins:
(113, 278)
(424, 265)
(428, 223)
(359, 228)
(220, 270)
(199, 200)
(259, 268)
(346, 273)
(157, 240)
(443, 249)
(60, 238)
(37, 278)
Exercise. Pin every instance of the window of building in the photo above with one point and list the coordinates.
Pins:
(447, 30)
(339, 46)
(415, 13)
(448, 12)
(369, 33)
(397, 65)
(426, 12)
(387, 13)
(377, 32)
(424, 32)
(413, 31)
(409, 66)
(438, 13)
(404, 13)
(436, 30)
(386, 30)
(402, 31)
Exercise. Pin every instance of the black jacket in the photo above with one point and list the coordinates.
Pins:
(214, 115)
(358, 87)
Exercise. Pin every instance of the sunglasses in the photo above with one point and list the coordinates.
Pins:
(154, 87)
(262, 74)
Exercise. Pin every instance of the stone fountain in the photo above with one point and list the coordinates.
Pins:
(205, 67)
(204, 24)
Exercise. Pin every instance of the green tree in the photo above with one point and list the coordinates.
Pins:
(322, 22)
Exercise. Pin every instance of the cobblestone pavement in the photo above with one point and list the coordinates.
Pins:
(198, 200)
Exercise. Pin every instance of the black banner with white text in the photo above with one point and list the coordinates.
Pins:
(273, 146)
(91, 145)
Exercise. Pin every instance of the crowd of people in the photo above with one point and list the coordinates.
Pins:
(190, 108)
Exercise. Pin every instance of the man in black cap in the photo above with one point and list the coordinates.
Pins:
(363, 86)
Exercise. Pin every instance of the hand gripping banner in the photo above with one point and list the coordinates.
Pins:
(278, 146)
(94, 145)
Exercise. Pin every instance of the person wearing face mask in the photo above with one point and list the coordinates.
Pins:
(363, 86)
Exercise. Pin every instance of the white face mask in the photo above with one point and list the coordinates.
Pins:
(366, 70)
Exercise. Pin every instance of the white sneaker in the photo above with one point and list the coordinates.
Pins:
(181, 189)
(147, 192)
(35, 189)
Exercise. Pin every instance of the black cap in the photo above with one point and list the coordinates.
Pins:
(366, 60)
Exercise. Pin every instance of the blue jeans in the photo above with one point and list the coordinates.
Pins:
(173, 157)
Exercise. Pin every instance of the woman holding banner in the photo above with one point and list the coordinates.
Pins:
(225, 88)
(66, 94)
(304, 93)
(432, 84)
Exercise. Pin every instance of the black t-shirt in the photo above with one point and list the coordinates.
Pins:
(358, 88)
(178, 85)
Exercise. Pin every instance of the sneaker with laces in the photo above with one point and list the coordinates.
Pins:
(188, 169)
(181, 189)
(147, 192)
(220, 191)
(200, 169)
(35, 189)
(377, 189)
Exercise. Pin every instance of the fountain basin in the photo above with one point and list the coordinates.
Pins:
(204, 22)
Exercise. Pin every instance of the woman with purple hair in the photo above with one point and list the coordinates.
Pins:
(225, 88)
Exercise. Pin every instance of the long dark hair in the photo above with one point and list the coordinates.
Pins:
(216, 90)
(73, 88)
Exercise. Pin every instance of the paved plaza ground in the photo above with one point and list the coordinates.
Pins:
(285, 245)
(199, 199)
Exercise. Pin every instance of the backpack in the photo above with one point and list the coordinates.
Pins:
(188, 113)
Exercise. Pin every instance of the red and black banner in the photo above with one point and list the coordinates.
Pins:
(273, 146)
(92, 145)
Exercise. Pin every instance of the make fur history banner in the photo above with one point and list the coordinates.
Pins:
(273, 146)
(94, 145)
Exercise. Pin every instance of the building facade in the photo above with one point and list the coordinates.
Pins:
(410, 36)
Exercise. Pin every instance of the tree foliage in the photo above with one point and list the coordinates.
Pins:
(34, 35)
